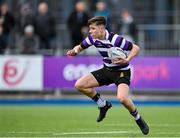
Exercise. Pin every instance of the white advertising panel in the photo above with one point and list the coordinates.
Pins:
(21, 72)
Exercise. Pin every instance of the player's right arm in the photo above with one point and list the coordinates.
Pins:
(75, 51)
(87, 42)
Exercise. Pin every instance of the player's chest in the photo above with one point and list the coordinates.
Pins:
(102, 43)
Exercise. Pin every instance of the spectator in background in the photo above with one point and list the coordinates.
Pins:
(6, 21)
(25, 17)
(77, 23)
(29, 42)
(44, 26)
(101, 10)
(127, 26)
(3, 42)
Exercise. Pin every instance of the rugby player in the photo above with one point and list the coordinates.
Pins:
(114, 71)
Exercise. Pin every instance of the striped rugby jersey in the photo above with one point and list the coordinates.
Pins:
(103, 46)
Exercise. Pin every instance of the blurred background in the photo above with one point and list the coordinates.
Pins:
(35, 35)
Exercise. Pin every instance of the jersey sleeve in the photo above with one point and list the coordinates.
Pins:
(121, 42)
(87, 42)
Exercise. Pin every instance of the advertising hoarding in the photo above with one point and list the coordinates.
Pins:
(148, 73)
(21, 73)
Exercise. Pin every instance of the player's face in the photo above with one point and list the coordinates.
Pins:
(96, 31)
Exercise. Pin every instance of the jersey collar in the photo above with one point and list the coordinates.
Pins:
(107, 34)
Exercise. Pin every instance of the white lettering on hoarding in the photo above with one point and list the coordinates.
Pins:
(73, 72)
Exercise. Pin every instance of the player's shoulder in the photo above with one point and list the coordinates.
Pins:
(114, 35)
(111, 35)
(89, 39)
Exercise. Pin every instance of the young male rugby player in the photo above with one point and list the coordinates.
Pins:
(114, 71)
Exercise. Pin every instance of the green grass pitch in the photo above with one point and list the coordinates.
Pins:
(80, 121)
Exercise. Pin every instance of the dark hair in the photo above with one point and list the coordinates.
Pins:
(99, 20)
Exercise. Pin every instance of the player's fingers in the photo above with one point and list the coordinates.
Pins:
(118, 61)
(69, 53)
(115, 61)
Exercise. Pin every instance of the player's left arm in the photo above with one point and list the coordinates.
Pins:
(133, 52)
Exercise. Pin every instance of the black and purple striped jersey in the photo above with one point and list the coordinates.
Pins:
(103, 46)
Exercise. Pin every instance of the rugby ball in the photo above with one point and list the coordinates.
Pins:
(116, 52)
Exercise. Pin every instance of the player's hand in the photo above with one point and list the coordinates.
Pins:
(71, 52)
(119, 61)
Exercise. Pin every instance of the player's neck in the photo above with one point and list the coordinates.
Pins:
(103, 36)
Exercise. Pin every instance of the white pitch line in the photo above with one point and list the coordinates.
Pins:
(96, 132)
(94, 137)
(28, 132)
(65, 134)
